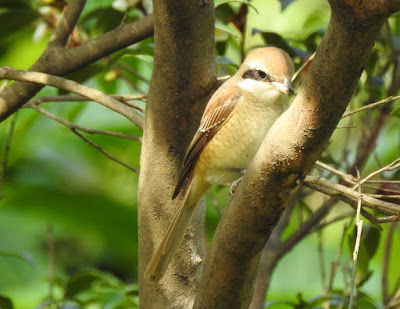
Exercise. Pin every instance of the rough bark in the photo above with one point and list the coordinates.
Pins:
(283, 160)
(183, 79)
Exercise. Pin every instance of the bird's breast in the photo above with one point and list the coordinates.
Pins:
(236, 142)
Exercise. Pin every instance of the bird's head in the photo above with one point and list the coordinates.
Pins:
(266, 74)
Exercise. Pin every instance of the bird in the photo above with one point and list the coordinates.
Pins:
(234, 123)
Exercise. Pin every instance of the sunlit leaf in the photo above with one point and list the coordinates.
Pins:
(227, 28)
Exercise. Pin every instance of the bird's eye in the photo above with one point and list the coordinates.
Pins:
(261, 74)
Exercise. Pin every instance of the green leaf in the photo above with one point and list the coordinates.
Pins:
(365, 301)
(143, 57)
(106, 20)
(275, 39)
(227, 28)
(113, 300)
(106, 83)
(81, 282)
(371, 239)
(396, 112)
(12, 21)
(221, 2)
(320, 300)
(5, 303)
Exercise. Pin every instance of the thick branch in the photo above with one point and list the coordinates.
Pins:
(284, 159)
(60, 61)
(67, 23)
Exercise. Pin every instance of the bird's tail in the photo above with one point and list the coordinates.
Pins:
(172, 240)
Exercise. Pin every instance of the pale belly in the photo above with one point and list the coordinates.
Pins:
(234, 146)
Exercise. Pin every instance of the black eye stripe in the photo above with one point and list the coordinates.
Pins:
(257, 74)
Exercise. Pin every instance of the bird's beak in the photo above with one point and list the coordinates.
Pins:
(285, 87)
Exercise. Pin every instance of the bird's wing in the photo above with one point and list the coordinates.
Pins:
(217, 111)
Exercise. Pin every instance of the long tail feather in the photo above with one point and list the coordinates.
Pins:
(172, 240)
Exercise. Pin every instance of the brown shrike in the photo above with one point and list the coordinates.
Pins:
(234, 123)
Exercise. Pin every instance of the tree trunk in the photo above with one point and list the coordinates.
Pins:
(182, 82)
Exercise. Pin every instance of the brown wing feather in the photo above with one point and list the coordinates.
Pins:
(217, 111)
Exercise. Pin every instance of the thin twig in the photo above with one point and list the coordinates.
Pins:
(72, 86)
(385, 196)
(359, 224)
(77, 98)
(83, 129)
(394, 165)
(321, 260)
(390, 191)
(348, 195)
(388, 219)
(89, 142)
(128, 69)
(335, 262)
(372, 105)
(350, 179)
(334, 220)
(346, 177)
(384, 181)
(307, 62)
(347, 127)
(306, 228)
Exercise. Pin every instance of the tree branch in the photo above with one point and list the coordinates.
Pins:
(123, 98)
(69, 85)
(67, 23)
(111, 157)
(372, 105)
(60, 61)
(80, 128)
(349, 196)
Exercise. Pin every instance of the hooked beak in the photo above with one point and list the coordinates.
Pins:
(285, 87)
